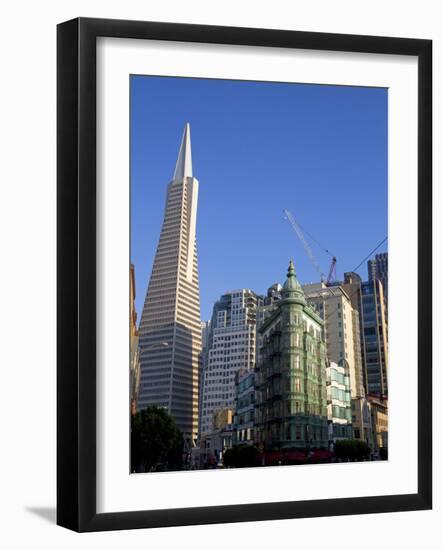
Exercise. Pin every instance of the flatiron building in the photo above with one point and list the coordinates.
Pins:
(170, 335)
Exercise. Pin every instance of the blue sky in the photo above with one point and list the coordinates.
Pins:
(258, 147)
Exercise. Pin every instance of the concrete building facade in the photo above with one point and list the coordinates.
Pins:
(378, 269)
(341, 330)
(368, 298)
(231, 347)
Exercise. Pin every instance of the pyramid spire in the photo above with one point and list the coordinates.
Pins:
(183, 167)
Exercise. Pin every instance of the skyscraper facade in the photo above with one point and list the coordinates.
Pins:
(230, 347)
(368, 298)
(378, 269)
(170, 331)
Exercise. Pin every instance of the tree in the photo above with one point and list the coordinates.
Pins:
(156, 441)
(240, 456)
(351, 449)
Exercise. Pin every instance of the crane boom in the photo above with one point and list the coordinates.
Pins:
(305, 244)
(332, 274)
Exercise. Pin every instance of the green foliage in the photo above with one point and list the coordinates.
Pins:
(156, 441)
(351, 449)
(240, 456)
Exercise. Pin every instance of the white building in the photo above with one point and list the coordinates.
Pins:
(230, 347)
(170, 327)
(339, 403)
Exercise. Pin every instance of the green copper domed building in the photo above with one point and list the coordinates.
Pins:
(292, 402)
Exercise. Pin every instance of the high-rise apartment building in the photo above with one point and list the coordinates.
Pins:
(291, 374)
(341, 330)
(231, 347)
(378, 269)
(170, 327)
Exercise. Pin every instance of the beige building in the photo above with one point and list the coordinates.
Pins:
(342, 337)
(379, 416)
(341, 330)
(134, 367)
(170, 327)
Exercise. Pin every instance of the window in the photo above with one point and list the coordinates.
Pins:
(288, 432)
(297, 385)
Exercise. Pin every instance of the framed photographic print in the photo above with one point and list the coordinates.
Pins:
(244, 274)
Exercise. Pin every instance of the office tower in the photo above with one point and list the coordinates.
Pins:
(378, 269)
(170, 327)
(291, 374)
(368, 298)
(231, 347)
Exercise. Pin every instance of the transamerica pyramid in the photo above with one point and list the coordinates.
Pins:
(170, 325)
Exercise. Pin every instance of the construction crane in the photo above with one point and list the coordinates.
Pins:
(297, 228)
(332, 275)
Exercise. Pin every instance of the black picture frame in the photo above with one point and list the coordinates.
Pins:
(76, 279)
